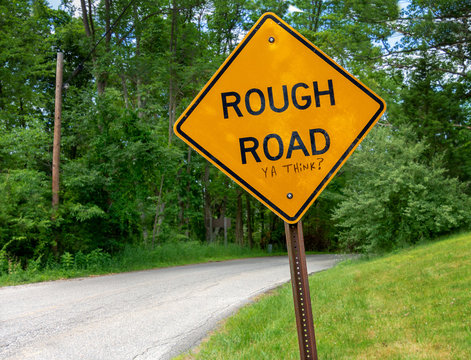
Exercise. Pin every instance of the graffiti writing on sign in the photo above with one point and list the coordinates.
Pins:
(292, 168)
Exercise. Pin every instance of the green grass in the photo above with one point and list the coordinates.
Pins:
(133, 258)
(414, 304)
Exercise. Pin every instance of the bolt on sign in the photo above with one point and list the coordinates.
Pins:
(279, 117)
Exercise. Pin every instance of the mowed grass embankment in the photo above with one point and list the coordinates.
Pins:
(414, 304)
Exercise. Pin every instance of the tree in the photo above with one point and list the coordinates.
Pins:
(432, 104)
(348, 31)
(439, 28)
(26, 69)
(396, 197)
(431, 63)
(124, 176)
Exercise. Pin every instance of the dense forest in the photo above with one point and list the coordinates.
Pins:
(132, 66)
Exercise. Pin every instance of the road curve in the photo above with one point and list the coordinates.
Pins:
(154, 314)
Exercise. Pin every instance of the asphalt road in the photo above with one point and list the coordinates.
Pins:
(155, 314)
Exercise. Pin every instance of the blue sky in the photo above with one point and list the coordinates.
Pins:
(54, 3)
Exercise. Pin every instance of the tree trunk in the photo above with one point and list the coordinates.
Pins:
(107, 24)
(145, 233)
(125, 90)
(159, 209)
(262, 226)
(90, 19)
(140, 98)
(207, 205)
(87, 19)
(223, 212)
(86, 25)
(239, 226)
(249, 220)
(173, 90)
(317, 11)
(186, 219)
(103, 74)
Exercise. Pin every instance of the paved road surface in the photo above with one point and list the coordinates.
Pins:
(153, 314)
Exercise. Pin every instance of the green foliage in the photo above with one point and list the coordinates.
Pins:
(430, 64)
(67, 260)
(96, 260)
(395, 198)
(3, 261)
(25, 226)
(25, 147)
(131, 258)
(26, 62)
(349, 31)
(433, 103)
(437, 27)
(125, 179)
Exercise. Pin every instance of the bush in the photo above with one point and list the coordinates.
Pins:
(25, 224)
(67, 261)
(395, 198)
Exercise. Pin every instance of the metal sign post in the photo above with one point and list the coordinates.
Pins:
(301, 294)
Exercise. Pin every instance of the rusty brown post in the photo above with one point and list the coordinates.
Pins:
(301, 294)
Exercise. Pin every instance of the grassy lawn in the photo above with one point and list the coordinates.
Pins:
(414, 304)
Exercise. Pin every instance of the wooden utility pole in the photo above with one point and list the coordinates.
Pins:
(57, 134)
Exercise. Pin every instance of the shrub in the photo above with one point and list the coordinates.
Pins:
(67, 260)
(25, 224)
(396, 198)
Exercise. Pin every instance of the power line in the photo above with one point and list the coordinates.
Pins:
(80, 66)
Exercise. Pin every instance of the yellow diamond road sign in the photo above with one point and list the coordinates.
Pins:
(279, 117)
